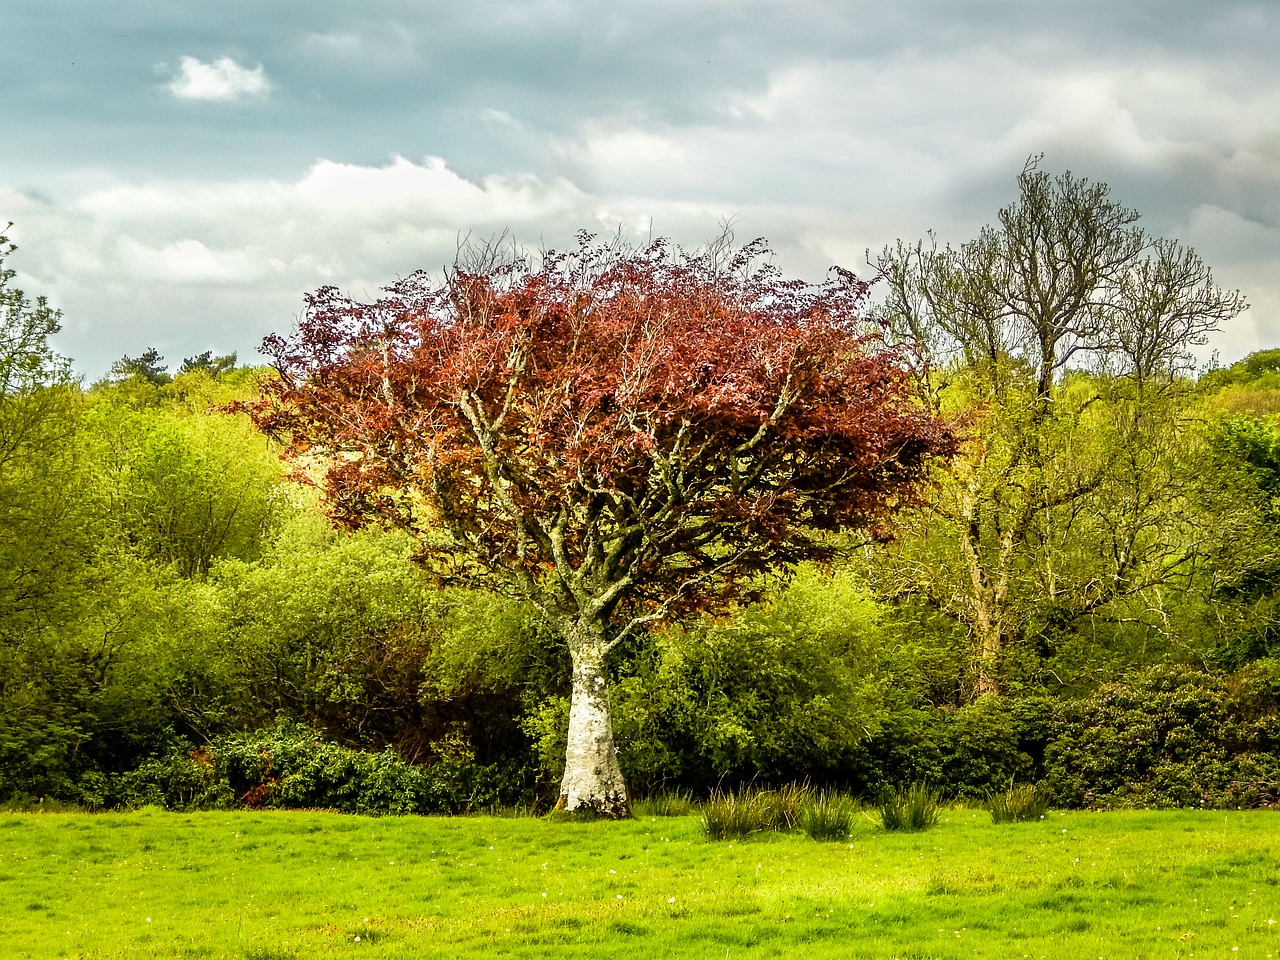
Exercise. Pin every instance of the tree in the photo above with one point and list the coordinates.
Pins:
(149, 366)
(1067, 277)
(41, 504)
(1066, 498)
(616, 436)
(208, 363)
(1240, 491)
(185, 489)
(27, 360)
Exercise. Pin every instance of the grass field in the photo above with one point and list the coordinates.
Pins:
(277, 886)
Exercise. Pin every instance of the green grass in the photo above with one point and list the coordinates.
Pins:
(665, 805)
(279, 886)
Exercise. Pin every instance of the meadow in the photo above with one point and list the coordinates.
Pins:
(283, 885)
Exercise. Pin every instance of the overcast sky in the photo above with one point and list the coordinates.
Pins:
(179, 175)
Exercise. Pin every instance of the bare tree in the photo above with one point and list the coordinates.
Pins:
(1058, 500)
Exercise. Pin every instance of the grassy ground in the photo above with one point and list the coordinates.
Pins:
(277, 886)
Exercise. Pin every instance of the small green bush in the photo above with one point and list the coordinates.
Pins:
(291, 767)
(183, 779)
(828, 815)
(914, 807)
(1018, 804)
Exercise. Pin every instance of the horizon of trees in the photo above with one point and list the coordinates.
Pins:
(168, 597)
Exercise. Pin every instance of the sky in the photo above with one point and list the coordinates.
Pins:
(181, 175)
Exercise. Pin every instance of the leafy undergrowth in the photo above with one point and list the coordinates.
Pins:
(283, 885)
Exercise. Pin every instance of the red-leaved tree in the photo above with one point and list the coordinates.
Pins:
(616, 436)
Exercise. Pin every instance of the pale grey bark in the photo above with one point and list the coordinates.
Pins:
(592, 778)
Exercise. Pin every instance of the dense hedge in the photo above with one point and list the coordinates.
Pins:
(1170, 737)
(290, 766)
(1167, 737)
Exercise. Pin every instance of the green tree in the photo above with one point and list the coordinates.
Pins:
(1240, 491)
(207, 363)
(42, 502)
(184, 488)
(149, 366)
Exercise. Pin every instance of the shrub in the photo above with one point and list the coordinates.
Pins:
(914, 807)
(828, 815)
(1169, 737)
(183, 779)
(969, 751)
(291, 767)
(1017, 804)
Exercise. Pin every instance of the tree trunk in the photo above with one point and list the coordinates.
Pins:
(592, 778)
(986, 663)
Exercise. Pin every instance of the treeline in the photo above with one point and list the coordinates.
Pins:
(1087, 596)
(182, 626)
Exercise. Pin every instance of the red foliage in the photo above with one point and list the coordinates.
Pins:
(618, 434)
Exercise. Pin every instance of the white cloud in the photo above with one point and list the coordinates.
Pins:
(186, 262)
(222, 80)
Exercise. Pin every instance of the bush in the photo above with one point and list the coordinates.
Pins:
(828, 815)
(184, 779)
(915, 807)
(775, 692)
(290, 767)
(1169, 737)
(1018, 804)
(969, 751)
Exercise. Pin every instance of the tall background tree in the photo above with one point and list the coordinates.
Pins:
(1062, 331)
(41, 511)
(616, 436)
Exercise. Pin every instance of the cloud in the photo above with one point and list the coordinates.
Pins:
(827, 126)
(222, 80)
(187, 262)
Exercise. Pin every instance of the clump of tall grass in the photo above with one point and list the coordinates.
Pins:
(914, 807)
(676, 804)
(731, 816)
(784, 804)
(1018, 804)
(828, 815)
